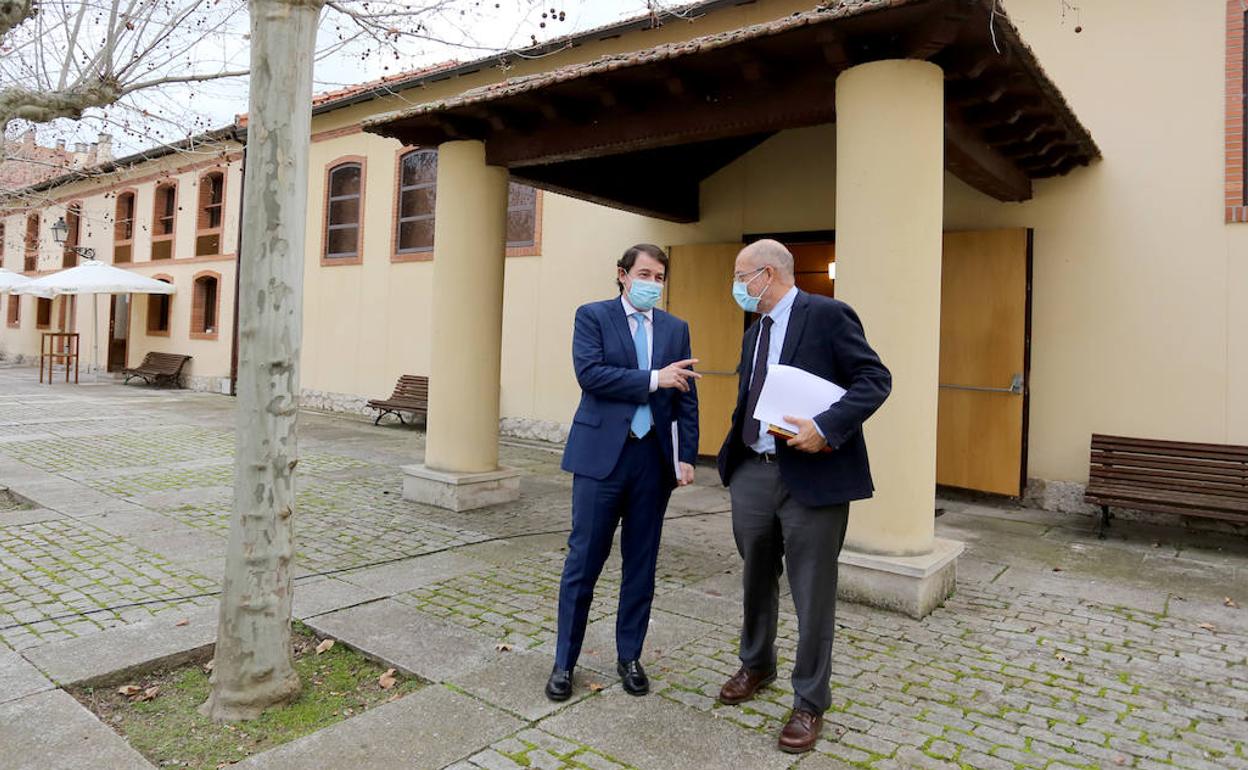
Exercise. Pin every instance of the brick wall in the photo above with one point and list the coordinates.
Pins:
(1236, 186)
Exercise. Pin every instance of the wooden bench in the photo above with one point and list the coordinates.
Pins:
(1207, 480)
(411, 395)
(158, 368)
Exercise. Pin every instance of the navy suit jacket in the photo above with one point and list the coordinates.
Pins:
(612, 387)
(824, 337)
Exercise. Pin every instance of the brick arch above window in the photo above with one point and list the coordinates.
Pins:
(210, 213)
(158, 309)
(205, 305)
(342, 215)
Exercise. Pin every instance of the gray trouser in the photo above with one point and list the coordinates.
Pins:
(769, 526)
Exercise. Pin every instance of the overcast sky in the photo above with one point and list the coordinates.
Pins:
(201, 106)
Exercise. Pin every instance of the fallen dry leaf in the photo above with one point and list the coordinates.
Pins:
(387, 679)
(502, 647)
(1208, 627)
(129, 690)
(1120, 760)
(148, 694)
(325, 646)
(209, 666)
(1229, 602)
(595, 687)
(1062, 657)
(183, 622)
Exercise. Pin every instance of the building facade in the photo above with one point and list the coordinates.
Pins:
(1125, 297)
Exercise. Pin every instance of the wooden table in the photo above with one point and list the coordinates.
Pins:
(67, 352)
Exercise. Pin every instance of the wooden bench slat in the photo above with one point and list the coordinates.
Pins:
(1216, 465)
(1232, 452)
(1152, 479)
(1176, 496)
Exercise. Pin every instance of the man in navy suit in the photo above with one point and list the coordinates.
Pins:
(790, 499)
(634, 367)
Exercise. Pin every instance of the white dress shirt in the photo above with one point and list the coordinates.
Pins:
(779, 316)
(648, 316)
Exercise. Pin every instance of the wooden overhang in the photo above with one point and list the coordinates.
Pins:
(640, 130)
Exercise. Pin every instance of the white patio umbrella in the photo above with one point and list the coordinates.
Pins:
(95, 278)
(10, 280)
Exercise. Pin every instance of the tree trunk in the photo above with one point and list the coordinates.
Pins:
(252, 668)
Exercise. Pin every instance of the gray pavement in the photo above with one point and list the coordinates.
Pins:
(1058, 650)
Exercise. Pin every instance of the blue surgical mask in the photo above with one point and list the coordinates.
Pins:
(644, 295)
(741, 293)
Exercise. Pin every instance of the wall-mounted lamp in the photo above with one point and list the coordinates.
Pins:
(831, 271)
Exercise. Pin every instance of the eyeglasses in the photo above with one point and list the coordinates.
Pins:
(749, 275)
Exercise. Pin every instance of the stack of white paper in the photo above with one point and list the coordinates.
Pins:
(796, 393)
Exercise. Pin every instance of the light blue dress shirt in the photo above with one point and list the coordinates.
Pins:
(779, 316)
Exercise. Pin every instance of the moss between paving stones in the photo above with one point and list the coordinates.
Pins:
(170, 731)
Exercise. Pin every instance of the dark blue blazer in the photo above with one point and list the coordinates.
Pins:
(612, 387)
(824, 337)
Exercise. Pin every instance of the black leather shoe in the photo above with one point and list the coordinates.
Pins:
(559, 686)
(634, 677)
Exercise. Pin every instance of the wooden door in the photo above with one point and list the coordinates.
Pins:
(810, 267)
(118, 331)
(699, 291)
(982, 413)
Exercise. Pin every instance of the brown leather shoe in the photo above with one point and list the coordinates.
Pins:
(800, 734)
(743, 684)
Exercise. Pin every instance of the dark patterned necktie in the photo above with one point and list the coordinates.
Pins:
(750, 430)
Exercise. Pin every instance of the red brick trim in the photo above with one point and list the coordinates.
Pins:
(134, 215)
(197, 306)
(222, 163)
(1236, 182)
(154, 299)
(327, 261)
(334, 133)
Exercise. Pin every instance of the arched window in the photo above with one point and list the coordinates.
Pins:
(164, 216)
(418, 176)
(158, 310)
(205, 306)
(211, 214)
(73, 218)
(343, 208)
(32, 243)
(123, 228)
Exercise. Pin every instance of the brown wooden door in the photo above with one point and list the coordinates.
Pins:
(982, 413)
(118, 331)
(699, 290)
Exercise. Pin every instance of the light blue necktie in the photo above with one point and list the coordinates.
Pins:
(641, 418)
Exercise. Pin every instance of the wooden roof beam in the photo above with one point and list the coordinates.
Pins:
(973, 161)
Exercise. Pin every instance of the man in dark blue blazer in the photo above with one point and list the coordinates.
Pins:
(790, 498)
(634, 367)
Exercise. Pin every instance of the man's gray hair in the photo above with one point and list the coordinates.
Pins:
(769, 252)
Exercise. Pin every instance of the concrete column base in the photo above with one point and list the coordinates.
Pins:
(911, 585)
(460, 491)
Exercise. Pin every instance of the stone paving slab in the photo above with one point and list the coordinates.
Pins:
(409, 574)
(667, 633)
(430, 728)
(18, 678)
(420, 644)
(514, 682)
(52, 731)
(655, 734)
(110, 655)
(317, 596)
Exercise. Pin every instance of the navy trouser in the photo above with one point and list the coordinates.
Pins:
(633, 496)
